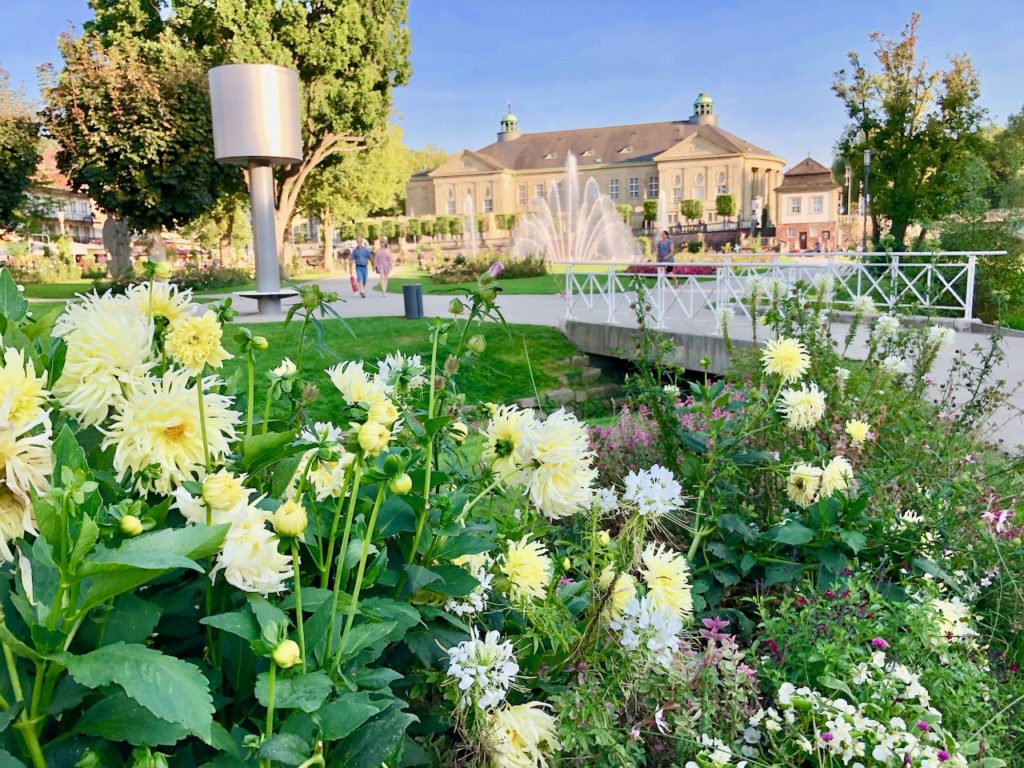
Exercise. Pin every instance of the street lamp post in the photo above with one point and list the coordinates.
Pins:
(863, 137)
(255, 111)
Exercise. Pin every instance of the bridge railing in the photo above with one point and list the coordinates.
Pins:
(936, 283)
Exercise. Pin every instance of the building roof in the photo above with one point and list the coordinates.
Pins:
(613, 144)
(808, 174)
(47, 176)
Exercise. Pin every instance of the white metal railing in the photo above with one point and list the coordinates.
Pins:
(935, 283)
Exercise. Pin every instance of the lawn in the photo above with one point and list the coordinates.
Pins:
(500, 375)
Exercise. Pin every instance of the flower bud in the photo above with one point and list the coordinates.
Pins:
(290, 519)
(286, 368)
(393, 466)
(131, 525)
(451, 365)
(477, 344)
(310, 393)
(401, 484)
(373, 437)
(459, 431)
(456, 307)
(260, 343)
(603, 537)
(163, 270)
(383, 412)
(566, 564)
(286, 655)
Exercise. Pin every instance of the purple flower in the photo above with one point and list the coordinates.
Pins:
(879, 644)
(943, 755)
(827, 736)
(922, 725)
(495, 269)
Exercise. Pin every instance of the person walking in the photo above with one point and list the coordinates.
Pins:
(360, 259)
(663, 251)
(382, 264)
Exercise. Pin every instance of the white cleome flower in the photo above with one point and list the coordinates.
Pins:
(887, 326)
(863, 305)
(397, 371)
(484, 668)
(654, 491)
(650, 629)
(896, 365)
(476, 601)
(940, 336)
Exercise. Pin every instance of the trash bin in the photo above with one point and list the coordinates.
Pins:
(413, 296)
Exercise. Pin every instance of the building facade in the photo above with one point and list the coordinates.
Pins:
(807, 209)
(686, 159)
(61, 210)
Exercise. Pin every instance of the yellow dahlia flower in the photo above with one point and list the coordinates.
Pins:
(836, 477)
(803, 483)
(251, 560)
(857, 430)
(25, 458)
(559, 465)
(108, 351)
(373, 438)
(786, 357)
(383, 412)
(804, 407)
(623, 591)
(18, 381)
(528, 568)
(504, 447)
(16, 520)
(157, 429)
(168, 301)
(194, 343)
(667, 575)
(224, 491)
(290, 519)
(521, 736)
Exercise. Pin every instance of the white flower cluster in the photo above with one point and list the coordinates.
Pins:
(863, 305)
(476, 601)
(940, 336)
(643, 624)
(484, 668)
(606, 501)
(399, 371)
(654, 491)
(716, 753)
(896, 365)
(325, 477)
(886, 327)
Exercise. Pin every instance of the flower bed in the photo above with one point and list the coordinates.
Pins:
(800, 566)
(675, 269)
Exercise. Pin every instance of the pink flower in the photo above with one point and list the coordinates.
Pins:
(943, 755)
(495, 269)
(923, 726)
(879, 644)
(827, 736)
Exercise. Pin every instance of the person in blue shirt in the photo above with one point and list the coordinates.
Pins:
(361, 258)
(663, 251)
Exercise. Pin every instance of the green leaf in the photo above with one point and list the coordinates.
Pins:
(132, 620)
(375, 679)
(456, 581)
(934, 570)
(285, 748)
(118, 718)
(419, 577)
(747, 562)
(87, 538)
(170, 688)
(836, 685)
(833, 560)
(306, 692)
(13, 305)
(734, 523)
(7, 760)
(855, 540)
(374, 742)
(364, 635)
(260, 451)
(241, 623)
(792, 533)
(781, 573)
(340, 717)
(456, 546)
(67, 452)
(726, 576)
(268, 616)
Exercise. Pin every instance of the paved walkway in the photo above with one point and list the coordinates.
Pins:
(1007, 426)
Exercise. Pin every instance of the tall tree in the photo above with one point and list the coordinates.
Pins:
(19, 151)
(922, 127)
(132, 118)
(349, 56)
(1004, 154)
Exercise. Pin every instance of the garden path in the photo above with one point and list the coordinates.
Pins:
(1007, 426)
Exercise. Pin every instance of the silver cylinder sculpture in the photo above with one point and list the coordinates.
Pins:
(256, 124)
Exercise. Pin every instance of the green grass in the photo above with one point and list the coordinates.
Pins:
(500, 375)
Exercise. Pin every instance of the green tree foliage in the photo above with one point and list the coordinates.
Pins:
(626, 212)
(426, 158)
(1004, 155)
(132, 118)
(414, 228)
(427, 227)
(922, 128)
(691, 210)
(349, 57)
(650, 211)
(506, 221)
(999, 285)
(19, 151)
(725, 205)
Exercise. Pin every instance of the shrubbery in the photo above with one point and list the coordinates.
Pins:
(460, 268)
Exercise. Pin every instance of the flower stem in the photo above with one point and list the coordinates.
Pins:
(429, 463)
(298, 602)
(270, 706)
(362, 566)
(340, 571)
(266, 408)
(202, 420)
(25, 724)
(302, 339)
(325, 573)
(249, 363)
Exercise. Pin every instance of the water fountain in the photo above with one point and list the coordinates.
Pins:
(568, 225)
(469, 230)
(661, 223)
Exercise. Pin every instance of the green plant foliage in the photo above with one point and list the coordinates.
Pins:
(19, 151)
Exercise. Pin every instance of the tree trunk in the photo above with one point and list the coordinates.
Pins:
(227, 255)
(898, 230)
(286, 252)
(118, 243)
(157, 246)
(327, 224)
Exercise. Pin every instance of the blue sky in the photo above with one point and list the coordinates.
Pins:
(571, 64)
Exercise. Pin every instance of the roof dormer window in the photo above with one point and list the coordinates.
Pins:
(626, 149)
(549, 156)
(588, 152)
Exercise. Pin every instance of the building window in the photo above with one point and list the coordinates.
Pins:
(538, 191)
(521, 194)
(451, 207)
(817, 203)
(652, 187)
(826, 235)
(613, 189)
(722, 189)
(794, 204)
(488, 205)
(791, 232)
(677, 194)
(634, 186)
(698, 193)
(814, 231)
